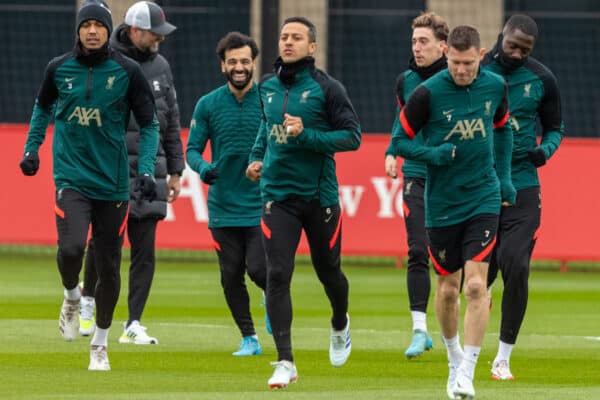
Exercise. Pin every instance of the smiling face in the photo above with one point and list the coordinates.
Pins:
(294, 42)
(238, 67)
(425, 47)
(93, 34)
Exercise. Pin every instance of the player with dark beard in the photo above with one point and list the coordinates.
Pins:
(230, 117)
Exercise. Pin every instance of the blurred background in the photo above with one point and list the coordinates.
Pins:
(362, 43)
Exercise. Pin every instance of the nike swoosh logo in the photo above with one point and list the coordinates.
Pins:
(483, 244)
(269, 94)
(447, 112)
(69, 79)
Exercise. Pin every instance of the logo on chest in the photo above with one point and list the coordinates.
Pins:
(278, 132)
(466, 129)
(527, 90)
(85, 115)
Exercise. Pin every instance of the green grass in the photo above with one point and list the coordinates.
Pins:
(557, 357)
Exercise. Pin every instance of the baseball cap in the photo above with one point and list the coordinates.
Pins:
(148, 16)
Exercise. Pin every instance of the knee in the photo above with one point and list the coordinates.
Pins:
(475, 288)
(72, 250)
(447, 293)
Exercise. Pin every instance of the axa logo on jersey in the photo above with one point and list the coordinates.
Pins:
(466, 129)
(85, 115)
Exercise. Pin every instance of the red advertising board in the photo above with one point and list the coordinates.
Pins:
(372, 202)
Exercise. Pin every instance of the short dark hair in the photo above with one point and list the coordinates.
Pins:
(430, 20)
(463, 37)
(236, 40)
(312, 29)
(522, 22)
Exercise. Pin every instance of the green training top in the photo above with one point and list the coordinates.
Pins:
(472, 121)
(91, 107)
(532, 92)
(231, 126)
(303, 167)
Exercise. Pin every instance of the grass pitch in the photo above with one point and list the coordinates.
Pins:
(557, 355)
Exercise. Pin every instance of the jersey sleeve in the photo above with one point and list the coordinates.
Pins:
(43, 109)
(345, 133)
(550, 115)
(503, 145)
(199, 136)
(411, 119)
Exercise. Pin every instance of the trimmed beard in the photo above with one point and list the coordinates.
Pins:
(236, 84)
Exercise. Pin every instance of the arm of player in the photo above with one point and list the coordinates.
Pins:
(503, 145)
(172, 137)
(260, 144)
(550, 115)
(141, 101)
(199, 135)
(411, 119)
(43, 110)
(345, 134)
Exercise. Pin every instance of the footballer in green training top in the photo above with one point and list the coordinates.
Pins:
(229, 117)
(462, 113)
(533, 95)
(307, 119)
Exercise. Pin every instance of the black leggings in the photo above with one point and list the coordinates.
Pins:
(282, 224)
(141, 234)
(74, 214)
(512, 255)
(240, 249)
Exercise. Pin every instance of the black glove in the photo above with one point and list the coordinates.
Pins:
(537, 156)
(30, 163)
(210, 176)
(145, 187)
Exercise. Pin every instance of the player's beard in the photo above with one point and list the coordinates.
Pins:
(239, 84)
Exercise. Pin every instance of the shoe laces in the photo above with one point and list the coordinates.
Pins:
(100, 354)
(283, 367)
(137, 329)
(87, 309)
(70, 309)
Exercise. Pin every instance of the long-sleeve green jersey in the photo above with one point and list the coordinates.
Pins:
(532, 92)
(91, 106)
(231, 126)
(304, 166)
(472, 120)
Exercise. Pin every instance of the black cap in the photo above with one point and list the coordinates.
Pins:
(96, 10)
(148, 16)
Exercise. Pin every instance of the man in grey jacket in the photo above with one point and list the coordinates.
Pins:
(138, 37)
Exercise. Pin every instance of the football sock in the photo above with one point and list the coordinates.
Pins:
(73, 294)
(419, 320)
(504, 350)
(100, 337)
(470, 360)
(455, 354)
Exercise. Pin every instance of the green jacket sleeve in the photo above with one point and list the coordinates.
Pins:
(260, 144)
(503, 146)
(37, 127)
(199, 135)
(345, 133)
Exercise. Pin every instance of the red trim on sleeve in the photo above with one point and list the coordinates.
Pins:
(409, 131)
(265, 229)
(481, 256)
(336, 234)
(436, 265)
(502, 122)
